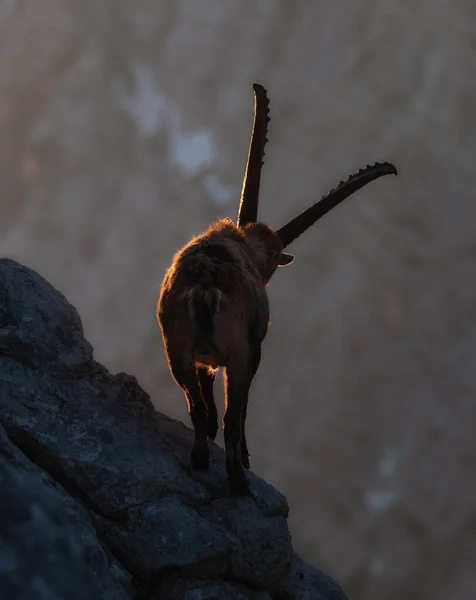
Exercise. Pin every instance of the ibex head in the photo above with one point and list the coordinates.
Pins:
(267, 244)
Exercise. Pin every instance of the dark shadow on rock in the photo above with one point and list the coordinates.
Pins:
(98, 498)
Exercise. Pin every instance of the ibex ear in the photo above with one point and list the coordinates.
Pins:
(285, 259)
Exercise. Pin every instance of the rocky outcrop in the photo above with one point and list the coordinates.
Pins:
(98, 499)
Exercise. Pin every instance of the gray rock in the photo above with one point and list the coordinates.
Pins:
(48, 546)
(262, 546)
(166, 534)
(39, 328)
(307, 583)
(202, 589)
(98, 496)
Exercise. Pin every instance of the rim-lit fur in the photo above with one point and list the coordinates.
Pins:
(213, 307)
(213, 311)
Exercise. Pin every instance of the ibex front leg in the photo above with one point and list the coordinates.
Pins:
(186, 376)
(237, 385)
(206, 379)
(254, 364)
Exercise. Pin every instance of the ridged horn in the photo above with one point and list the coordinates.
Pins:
(248, 211)
(292, 230)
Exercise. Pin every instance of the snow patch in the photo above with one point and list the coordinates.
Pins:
(144, 104)
(191, 151)
(379, 500)
(152, 111)
(376, 566)
(220, 194)
(388, 464)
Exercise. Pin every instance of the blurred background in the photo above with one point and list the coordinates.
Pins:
(124, 129)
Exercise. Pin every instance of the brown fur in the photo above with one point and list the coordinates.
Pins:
(233, 266)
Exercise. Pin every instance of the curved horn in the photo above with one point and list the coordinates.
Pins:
(248, 211)
(292, 230)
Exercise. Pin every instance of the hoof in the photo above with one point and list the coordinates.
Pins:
(212, 430)
(200, 458)
(239, 486)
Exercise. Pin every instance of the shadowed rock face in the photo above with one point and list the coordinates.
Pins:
(98, 499)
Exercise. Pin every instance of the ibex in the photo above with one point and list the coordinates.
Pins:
(213, 307)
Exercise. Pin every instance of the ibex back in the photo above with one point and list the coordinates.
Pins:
(213, 308)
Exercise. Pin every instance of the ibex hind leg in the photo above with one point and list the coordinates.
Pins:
(206, 378)
(186, 377)
(254, 365)
(237, 388)
(245, 454)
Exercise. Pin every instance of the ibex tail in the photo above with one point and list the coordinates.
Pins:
(203, 304)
